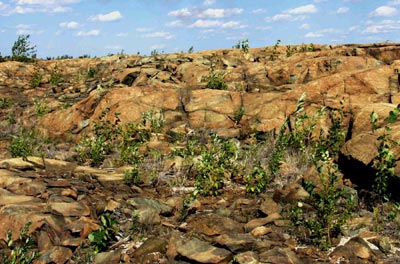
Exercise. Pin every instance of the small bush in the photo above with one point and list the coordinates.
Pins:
(22, 50)
(20, 252)
(215, 80)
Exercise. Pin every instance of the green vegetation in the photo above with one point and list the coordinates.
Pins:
(20, 252)
(215, 79)
(275, 52)
(100, 239)
(243, 45)
(4, 103)
(40, 107)
(55, 76)
(91, 73)
(36, 79)
(22, 50)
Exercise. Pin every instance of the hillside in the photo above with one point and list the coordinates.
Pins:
(268, 155)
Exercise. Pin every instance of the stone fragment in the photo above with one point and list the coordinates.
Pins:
(269, 206)
(211, 224)
(110, 257)
(260, 231)
(57, 254)
(247, 257)
(70, 209)
(235, 242)
(159, 207)
(149, 246)
(202, 252)
(279, 255)
(261, 221)
(355, 247)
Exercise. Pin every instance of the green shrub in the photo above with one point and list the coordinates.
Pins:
(22, 145)
(215, 79)
(4, 103)
(20, 252)
(36, 79)
(55, 76)
(101, 238)
(40, 107)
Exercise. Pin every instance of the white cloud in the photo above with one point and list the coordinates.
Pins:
(61, 9)
(342, 10)
(121, 34)
(384, 26)
(232, 24)
(385, 11)
(158, 34)
(305, 26)
(24, 29)
(259, 11)
(184, 12)
(94, 32)
(70, 25)
(313, 35)
(175, 23)
(112, 16)
(208, 13)
(285, 17)
(200, 23)
(306, 9)
(394, 2)
(209, 2)
(22, 10)
(219, 13)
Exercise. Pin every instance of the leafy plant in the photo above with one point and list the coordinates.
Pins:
(132, 176)
(55, 76)
(385, 161)
(100, 239)
(215, 79)
(22, 145)
(238, 115)
(275, 52)
(36, 79)
(4, 103)
(217, 160)
(256, 180)
(91, 73)
(22, 50)
(290, 50)
(191, 49)
(40, 107)
(20, 252)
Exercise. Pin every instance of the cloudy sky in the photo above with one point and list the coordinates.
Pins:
(100, 27)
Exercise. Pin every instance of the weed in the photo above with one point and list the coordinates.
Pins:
(238, 115)
(22, 145)
(154, 121)
(100, 239)
(40, 107)
(36, 79)
(4, 103)
(93, 150)
(290, 50)
(21, 252)
(385, 161)
(256, 180)
(132, 177)
(55, 76)
(217, 161)
(215, 79)
(191, 49)
(91, 73)
(275, 53)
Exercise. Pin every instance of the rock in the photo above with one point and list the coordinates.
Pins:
(247, 257)
(210, 224)
(260, 231)
(151, 245)
(58, 255)
(202, 252)
(269, 206)
(235, 242)
(111, 257)
(279, 256)
(159, 207)
(261, 221)
(354, 248)
(70, 209)
(147, 216)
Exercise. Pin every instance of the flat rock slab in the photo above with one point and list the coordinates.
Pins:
(141, 203)
(70, 209)
(261, 221)
(7, 197)
(213, 224)
(201, 251)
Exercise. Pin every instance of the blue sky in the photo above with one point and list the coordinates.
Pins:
(100, 27)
